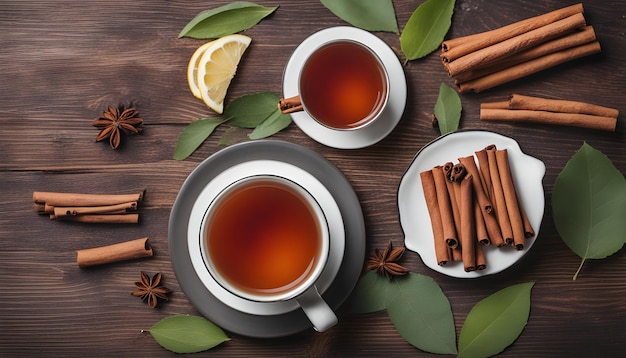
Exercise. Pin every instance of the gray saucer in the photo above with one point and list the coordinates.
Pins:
(329, 175)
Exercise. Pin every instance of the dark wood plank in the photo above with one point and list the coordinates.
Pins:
(64, 62)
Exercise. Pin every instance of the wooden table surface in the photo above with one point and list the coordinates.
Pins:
(64, 62)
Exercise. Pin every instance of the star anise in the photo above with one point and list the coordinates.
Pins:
(149, 289)
(384, 262)
(116, 120)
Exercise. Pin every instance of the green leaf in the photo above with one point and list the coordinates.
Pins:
(193, 135)
(448, 109)
(426, 28)
(589, 205)
(271, 125)
(251, 110)
(225, 20)
(187, 334)
(495, 322)
(371, 15)
(372, 293)
(422, 314)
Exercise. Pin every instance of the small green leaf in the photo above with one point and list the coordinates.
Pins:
(225, 20)
(193, 135)
(422, 314)
(273, 124)
(187, 334)
(495, 322)
(589, 205)
(426, 28)
(372, 293)
(251, 110)
(448, 109)
(371, 15)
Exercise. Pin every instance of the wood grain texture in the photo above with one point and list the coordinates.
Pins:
(64, 62)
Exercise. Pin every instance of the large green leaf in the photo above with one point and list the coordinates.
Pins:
(422, 315)
(187, 334)
(225, 20)
(372, 293)
(589, 205)
(426, 28)
(495, 322)
(194, 135)
(371, 15)
(448, 109)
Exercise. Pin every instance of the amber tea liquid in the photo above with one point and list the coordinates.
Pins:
(343, 85)
(264, 238)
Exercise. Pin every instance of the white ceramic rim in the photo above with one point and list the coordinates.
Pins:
(397, 91)
(268, 167)
(323, 251)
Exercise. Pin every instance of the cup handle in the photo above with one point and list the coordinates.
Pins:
(290, 105)
(316, 309)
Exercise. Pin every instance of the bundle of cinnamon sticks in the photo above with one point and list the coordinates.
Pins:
(471, 206)
(89, 208)
(521, 108)
(488, 59)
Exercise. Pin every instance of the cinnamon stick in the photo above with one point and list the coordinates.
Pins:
(455, 48)
(442, 250)
(129, 250)
(101, 218)
(452, 194)
(445, 208)
(530, 67)
(78, 199)
(495, 52)
(481, 261)
(60, 211)
(479, 224)
(608, 124)
(468, 238)
(579, 37)
(510, 196)
(502, 214)
(518, 101)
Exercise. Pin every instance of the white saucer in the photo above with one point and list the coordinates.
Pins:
(358, 138)
(265, 167)
(527, 174)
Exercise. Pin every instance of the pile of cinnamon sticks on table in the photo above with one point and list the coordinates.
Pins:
(89, 208)
(471, 206)
(488, 59)
(519, 108)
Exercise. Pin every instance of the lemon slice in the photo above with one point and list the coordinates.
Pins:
(192, 69)
(217, 67)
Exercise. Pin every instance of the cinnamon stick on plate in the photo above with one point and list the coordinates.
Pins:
(442, 251)
(445, 208)
(468, 233)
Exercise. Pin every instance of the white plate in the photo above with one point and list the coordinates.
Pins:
(357, 138)
(527, 173)
(264, 167)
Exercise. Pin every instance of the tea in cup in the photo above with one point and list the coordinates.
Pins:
(266, 239)
(343, 85)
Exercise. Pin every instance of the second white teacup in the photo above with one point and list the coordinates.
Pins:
(266, 239)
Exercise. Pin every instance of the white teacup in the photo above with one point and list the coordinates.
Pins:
(264, 238)
(343, 85)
